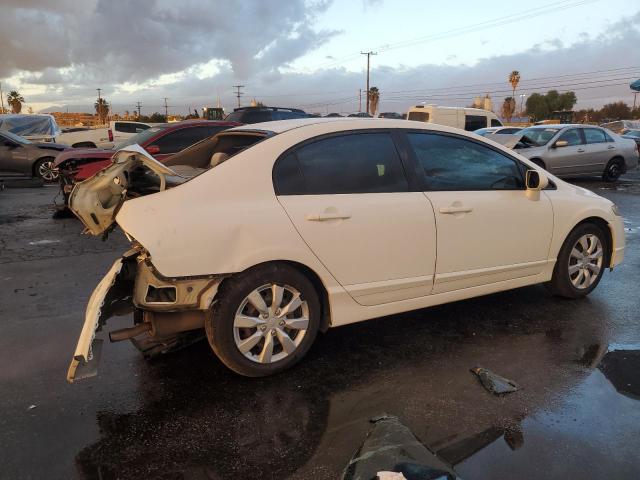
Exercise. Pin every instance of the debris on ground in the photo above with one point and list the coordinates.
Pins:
(392, 449)
(494, 383)
(31, 407)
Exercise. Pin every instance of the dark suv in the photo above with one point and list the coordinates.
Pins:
(264, 114)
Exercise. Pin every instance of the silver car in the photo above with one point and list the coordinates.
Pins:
(571, 150)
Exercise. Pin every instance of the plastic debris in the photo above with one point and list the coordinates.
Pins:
(31, 407)
(392, 452)
(494, 383)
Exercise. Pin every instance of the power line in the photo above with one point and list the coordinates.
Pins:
(238, 92)
(499, 21)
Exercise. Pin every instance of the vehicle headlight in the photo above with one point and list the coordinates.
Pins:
(615, 210)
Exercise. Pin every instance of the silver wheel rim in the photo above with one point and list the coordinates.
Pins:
(585, 261)
(270, 323)
(47, 172)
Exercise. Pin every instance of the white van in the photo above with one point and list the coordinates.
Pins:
(469, 119)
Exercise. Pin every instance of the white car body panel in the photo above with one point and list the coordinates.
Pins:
(229, 219)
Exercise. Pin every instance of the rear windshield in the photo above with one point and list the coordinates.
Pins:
(419, 116)
(539, 136)
(139, 138)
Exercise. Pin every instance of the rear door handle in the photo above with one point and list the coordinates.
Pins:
(580, 150)
(460, 209)
(611, 147)
(322, 217)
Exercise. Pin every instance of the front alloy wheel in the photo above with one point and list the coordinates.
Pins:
(46, 171)
(585, 261)
(581, 262)
(264, 320)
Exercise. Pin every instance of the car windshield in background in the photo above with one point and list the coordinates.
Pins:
(632, 133)
(483, 131)
(539, 136)
(139, 138)
(258, 116)
(16, 138)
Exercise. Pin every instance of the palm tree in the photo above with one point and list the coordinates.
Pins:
(514, 80)
(15, 100)
(102, 109)
(508, 108)
(126, 114)
(374, 99)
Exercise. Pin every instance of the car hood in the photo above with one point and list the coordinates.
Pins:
(96, 201)
(529, 152)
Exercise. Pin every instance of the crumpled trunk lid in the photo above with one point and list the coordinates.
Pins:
(96, 201)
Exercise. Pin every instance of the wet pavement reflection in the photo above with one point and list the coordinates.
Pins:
(184, 416)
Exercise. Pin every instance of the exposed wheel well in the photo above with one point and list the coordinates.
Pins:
(35, 164)
(84, 145)
(604, 225)
(325, 314)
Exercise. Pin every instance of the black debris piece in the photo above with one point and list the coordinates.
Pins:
(391, 447)
(494, 383)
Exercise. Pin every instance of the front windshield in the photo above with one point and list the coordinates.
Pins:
(539, 136)
(139, 138)
(16, 138)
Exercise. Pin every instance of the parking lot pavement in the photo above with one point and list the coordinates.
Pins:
(576, 413)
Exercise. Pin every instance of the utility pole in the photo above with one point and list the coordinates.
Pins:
(368, 54)
(100, 109)
(166, 110)
(138, 106)
(359, 100)
(238, 92)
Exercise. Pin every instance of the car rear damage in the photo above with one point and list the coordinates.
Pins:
(163, 308)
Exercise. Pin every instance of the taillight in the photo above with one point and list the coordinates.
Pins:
(110, 135)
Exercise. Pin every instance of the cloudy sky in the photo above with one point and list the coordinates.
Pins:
(307, 53)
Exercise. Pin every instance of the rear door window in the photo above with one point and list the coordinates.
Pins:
(129, 127)
(180, 139)
(594, 135)
(456, 164)
(495, 122)
(474, 122)
(352, 163)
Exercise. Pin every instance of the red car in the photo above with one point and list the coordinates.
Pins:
(161, 141)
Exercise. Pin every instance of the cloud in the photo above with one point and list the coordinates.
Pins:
(115, 41)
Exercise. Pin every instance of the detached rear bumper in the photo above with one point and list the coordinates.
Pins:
(111, 290)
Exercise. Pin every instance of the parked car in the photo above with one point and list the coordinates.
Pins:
(497, 131)
(633, 135)
(469, 119)
(257, 234)
(161, 141)
(33, 127)
(619, 126)
(393, 115)
(117, 132)
(19, 155)
(264, 114)
(360, 115)
(578, 150)
(331, 115)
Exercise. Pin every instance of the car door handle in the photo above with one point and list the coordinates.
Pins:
(322, 217)
(611, 147)
(580, 150)
(457, 209)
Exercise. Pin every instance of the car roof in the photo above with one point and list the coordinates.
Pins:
(345, 123)
(561, 125)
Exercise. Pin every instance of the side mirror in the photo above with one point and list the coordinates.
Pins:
(560, 143)
(153, 149)
(536, 180)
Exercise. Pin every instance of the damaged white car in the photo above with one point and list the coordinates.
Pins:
(264, 235)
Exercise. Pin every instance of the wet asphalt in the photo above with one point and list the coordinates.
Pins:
(184, 416)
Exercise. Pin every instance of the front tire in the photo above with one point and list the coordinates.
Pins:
(264, 321)
(613, 170)
(581, 262)
(44, 170)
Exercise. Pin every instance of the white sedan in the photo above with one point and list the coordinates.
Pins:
(267, 233)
